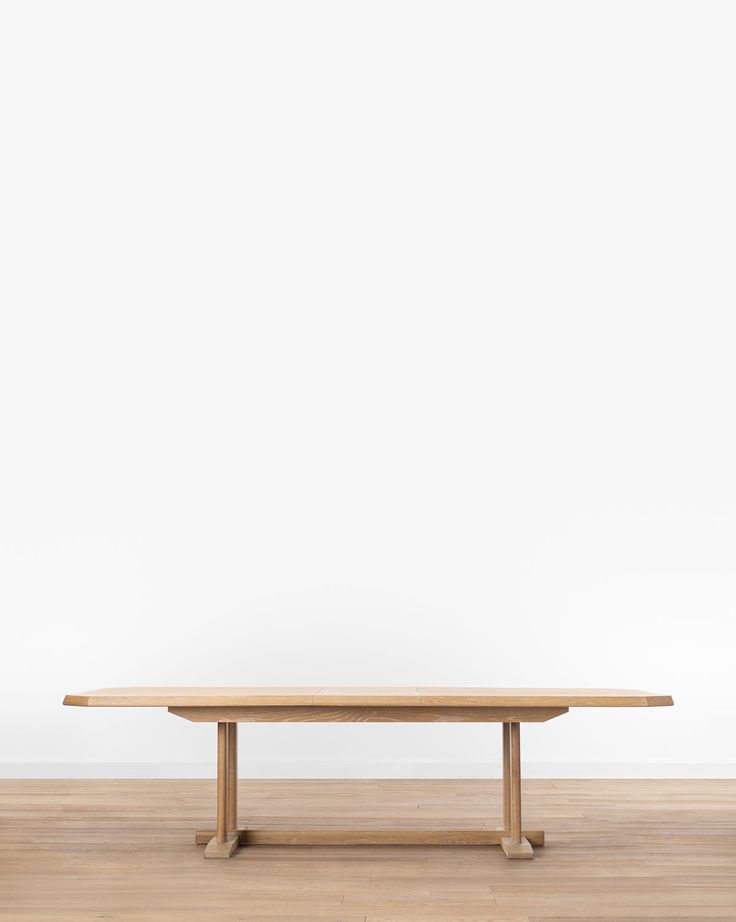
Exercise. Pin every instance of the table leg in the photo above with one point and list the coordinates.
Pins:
(515, 845)
(506, 776)
(232, 779)
(223, 844)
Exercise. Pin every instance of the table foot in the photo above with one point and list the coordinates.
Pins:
(224, 849)
(513, 849)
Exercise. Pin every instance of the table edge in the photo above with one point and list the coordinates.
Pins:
(592, 701)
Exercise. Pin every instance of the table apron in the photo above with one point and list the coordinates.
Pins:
(366, 714)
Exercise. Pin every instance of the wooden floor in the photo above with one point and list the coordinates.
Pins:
(72, 851)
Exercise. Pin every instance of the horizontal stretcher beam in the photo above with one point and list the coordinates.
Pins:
(332, 835)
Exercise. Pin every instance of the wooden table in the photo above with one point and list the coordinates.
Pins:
(227, 707)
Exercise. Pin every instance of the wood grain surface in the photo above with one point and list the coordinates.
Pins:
(305, 713)
(323, 696)
(121, 851)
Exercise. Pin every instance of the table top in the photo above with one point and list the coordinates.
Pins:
(421, 696)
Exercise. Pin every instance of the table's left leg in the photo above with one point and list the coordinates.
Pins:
(515, 845)
(224, 842)
(506, 776)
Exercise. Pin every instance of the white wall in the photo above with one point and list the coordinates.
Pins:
(368, 343)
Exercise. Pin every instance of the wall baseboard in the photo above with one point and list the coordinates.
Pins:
(308, 769)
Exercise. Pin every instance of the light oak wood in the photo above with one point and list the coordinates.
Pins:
(619, 851)
(543, 697)
(365, 714)
(347, 697)
(506, 776)
(222, 747)
(346, 836)
(232, 779)
(515, 745)
(224, 849)
(228, 836)
(192, 695)
(520, 849)
(228, 706)
(515, 844)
